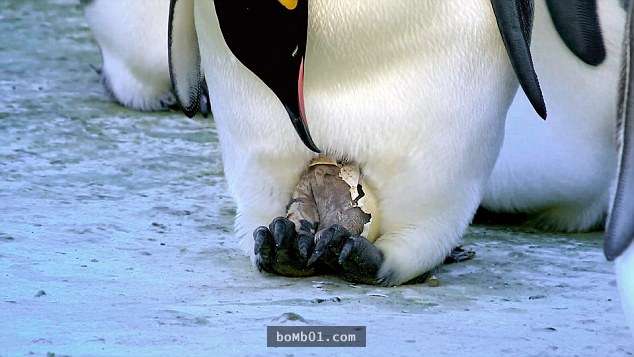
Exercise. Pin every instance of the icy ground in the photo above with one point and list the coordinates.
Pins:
(115, 239)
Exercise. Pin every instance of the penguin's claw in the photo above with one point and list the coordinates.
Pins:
(458, 255)
(386, 281)
(305, 244)
(278, 249)
(283, 232)
(329, 244)
(356, 258)
(263, 249)
(360, 261)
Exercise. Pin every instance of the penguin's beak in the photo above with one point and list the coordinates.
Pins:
(269, 38)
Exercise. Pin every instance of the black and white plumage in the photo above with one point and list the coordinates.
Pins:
(559, 172)
(619, 239)
(132, 37)
(377, 85)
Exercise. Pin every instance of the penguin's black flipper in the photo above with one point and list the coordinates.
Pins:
(184, 56)
(204, 101)
(269, 38)
(577, 22)
(515, 21)
(620, 227)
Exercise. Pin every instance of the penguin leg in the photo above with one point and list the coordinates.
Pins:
(354, 257)
(359, 261)
(277, 249)
(285, 246)
(423, 214)
(261, 184)
(330, 241)
(459, 255)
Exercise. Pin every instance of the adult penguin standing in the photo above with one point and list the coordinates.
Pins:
(559, 172)
(415, 92)
(132, 37)
(619, 240)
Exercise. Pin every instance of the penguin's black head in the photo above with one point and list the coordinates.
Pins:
(269, 38)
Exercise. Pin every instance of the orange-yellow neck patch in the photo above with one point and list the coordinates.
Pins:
(289, 4)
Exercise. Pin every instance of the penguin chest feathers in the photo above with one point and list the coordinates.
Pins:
(378, 75)
(369, 67)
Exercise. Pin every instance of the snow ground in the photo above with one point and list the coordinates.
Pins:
(115, 239)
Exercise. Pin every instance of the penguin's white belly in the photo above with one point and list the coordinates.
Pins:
(381, 82)
(132, 35)
(561, 169)
(384, 81)
(414, 91)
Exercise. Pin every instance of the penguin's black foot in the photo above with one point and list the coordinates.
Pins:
(459, 254)
(360, 260)
(280, 250)
(355, 257)
(329, 244)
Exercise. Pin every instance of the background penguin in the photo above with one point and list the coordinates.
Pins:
(415, 92)
(619, 240)
(560, 171)
(132, 37)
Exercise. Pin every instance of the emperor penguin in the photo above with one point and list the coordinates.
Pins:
(559, 172)
(415, 92)
(132, 37)
(619, 240)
